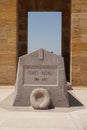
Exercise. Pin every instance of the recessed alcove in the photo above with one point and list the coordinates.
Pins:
(45, 6)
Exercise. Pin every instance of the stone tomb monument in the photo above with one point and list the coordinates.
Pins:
(41, 81)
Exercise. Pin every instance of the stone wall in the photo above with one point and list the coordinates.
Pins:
(8, 47)
(79, 43)
(45, 5)
(13, 36)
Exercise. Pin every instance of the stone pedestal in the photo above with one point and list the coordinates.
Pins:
(41, 69)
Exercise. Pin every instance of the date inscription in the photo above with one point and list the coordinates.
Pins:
(40, 76)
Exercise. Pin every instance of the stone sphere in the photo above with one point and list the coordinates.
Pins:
(40, 98)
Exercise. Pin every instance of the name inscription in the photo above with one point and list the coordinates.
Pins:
(40, 76)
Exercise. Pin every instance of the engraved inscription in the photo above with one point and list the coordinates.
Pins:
(40, 76)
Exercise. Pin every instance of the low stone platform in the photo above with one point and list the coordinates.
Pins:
(26, 118)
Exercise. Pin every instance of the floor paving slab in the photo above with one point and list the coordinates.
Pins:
(6, 128)
(80, 119)
(81, 95)
(4, 93)
(38, 120)
(29, 119)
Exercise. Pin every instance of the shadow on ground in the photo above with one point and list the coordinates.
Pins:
(74, 104)
(73, 101)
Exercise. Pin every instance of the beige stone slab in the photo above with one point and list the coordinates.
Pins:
(79, 47)
(83, 53)
(3, 46)
(6, 128)
(76, 68)
(75, 52)
(38, 120)
(80, 119)
(7, 59)
(81, 95)
(79, 6)
(44, 120)
(7, 86)
(84, 39)
(4, 93)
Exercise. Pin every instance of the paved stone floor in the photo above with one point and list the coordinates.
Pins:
(25, 118)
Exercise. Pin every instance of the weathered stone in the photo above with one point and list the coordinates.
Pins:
(41, 70)
(79, 43)
(8, 40)
(40, 98)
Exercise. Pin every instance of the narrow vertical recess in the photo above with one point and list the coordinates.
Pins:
(45, 5)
